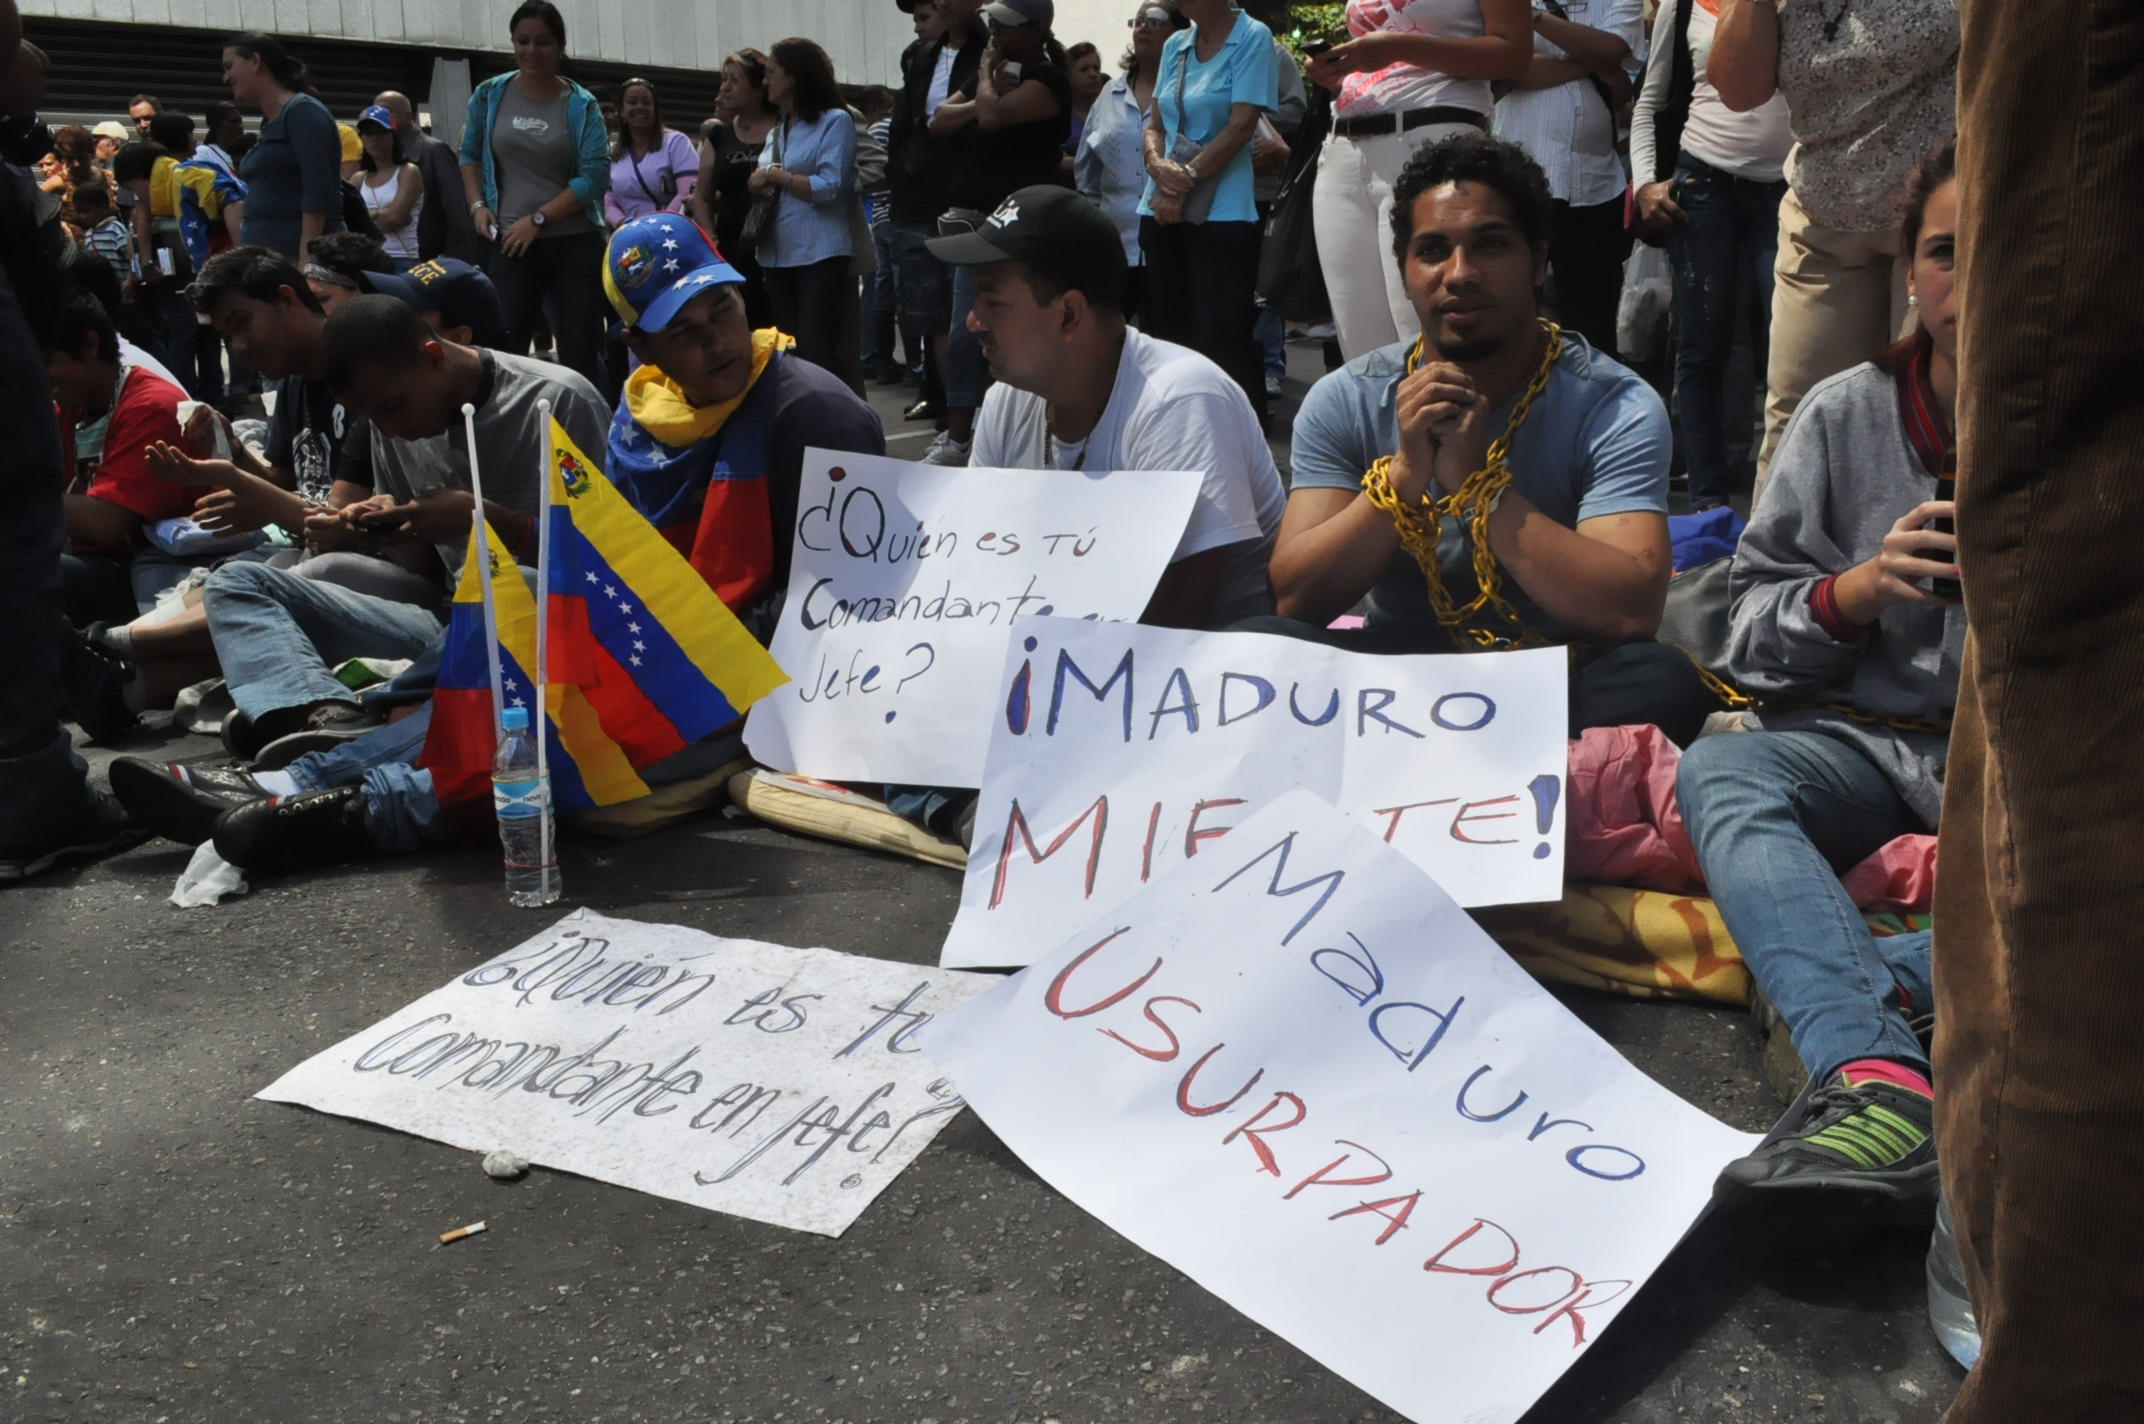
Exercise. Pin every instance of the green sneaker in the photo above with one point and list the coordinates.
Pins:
(1869, 1139)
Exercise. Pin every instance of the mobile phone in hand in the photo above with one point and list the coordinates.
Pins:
(1316, 48)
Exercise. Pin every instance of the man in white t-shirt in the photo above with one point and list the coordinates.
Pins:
(1077, 389)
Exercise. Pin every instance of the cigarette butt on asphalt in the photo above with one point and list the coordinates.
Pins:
(448, 1238)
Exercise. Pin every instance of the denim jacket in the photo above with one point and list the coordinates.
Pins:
(582, 113)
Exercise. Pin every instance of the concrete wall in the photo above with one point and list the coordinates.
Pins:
(865, 37)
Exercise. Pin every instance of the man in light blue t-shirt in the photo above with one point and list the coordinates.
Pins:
(1580, 537)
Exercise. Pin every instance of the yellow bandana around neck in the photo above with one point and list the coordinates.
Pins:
(663, 409)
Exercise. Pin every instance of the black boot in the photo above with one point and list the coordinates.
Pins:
(284, 833)
(180, 802)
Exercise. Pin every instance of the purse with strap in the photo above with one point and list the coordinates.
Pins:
(1289, 275)
(759, 218)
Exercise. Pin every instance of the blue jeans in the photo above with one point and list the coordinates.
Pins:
(1272, 335)
(1777, 817)
(881, 296)
(1722, 256)
(279, 635)
(402, 813)
(402, 810)
(966, 371)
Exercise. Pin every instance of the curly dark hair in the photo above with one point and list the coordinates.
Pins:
(1474, 158)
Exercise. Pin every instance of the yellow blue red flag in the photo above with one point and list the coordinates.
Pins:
(645, 658)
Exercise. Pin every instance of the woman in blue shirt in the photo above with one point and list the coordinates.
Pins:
(809, 162)
(1109, 164)
(1199, 220)
(535, 165)
(293, 174)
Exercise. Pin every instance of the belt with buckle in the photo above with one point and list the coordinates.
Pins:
(1370, 125)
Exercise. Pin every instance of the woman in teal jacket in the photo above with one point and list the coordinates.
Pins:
(535, 165)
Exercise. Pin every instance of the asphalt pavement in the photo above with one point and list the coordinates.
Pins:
(173, 1249)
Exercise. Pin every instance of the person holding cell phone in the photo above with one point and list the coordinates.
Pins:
(1708, 184)
(1854, 661)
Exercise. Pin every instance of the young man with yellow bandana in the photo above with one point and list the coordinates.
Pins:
(708, 442)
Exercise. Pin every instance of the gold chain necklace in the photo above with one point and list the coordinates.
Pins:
(1421, 523)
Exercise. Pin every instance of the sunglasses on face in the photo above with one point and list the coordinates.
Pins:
(1150, 20)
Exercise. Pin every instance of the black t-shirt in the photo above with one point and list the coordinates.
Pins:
(995, 165)
(805, 407)
(305, 435)
(734, 161)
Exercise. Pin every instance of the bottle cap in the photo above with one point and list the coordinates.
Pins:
(515, 719)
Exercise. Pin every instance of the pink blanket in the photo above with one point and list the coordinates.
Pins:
(1625, 828)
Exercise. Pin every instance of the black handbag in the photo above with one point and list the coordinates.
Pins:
(759, 218)
(1290, 278)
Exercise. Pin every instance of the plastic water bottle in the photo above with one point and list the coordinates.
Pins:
(1950, 1311)
(522, 797)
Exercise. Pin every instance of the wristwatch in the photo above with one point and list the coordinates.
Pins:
(538, 218)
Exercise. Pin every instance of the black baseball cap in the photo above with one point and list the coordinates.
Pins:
(461, 295)
(1061, 236)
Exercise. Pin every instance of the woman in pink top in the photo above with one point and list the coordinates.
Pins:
(652, 169)
(1412, 72)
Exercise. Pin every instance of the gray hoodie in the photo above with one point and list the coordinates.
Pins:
(1843, 475)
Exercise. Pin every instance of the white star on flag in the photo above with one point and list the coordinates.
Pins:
(519, 702)
(632, 627)
(669, 243)
(610, 590)
(591, 578)
(635, 662)
(679, 284)
(640, 647)
(624, 607)
(669, 264)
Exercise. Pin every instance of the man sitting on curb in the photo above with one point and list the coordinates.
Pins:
(279, 635)
(1076, 389)
(714, 409)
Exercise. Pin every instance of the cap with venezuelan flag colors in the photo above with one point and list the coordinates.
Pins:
(658, 263)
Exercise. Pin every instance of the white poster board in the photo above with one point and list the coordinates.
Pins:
(1298, 1072)
(1118, 751)
(906, 582)
(778, 1084)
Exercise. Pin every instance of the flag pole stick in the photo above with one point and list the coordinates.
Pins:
(543, 626)
(483, 554)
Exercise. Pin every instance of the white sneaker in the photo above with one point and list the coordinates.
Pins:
(1273, 386)
(945, 450)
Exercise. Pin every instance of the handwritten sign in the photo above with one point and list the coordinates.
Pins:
(1294, 1069)
(1117, 751)
(907, 582)
(773, 1083)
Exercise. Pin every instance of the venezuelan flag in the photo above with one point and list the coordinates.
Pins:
(660, 657)
(588, 767)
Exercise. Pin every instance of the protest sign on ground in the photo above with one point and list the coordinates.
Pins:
(905, 584)
(1297, 1071)
(1117, 751)
(773, 1083)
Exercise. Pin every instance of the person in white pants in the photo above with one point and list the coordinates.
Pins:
(1410, 73)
